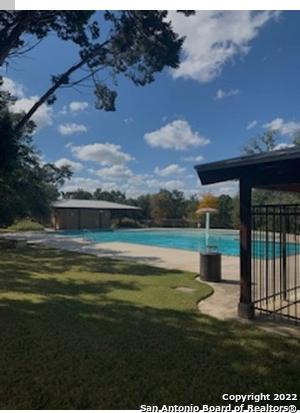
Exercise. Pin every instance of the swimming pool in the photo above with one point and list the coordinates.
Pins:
(183, 239)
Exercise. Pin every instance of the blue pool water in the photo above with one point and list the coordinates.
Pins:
(184, 239)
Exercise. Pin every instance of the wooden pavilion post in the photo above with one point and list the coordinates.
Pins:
(246, 307)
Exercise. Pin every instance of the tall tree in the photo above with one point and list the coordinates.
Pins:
(223, 218)
(268, 141)
(167, 205)
(178, 204)
(190, 210)
(144, 202)
(27, 186)
(236, 212)
(78, 194)
(264, 143)
(161, 207)
(208, 201)
(111, 196)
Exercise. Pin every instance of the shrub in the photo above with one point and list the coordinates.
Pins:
(126, 223)
(26, 224)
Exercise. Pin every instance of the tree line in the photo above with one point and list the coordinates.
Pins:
(167, 208)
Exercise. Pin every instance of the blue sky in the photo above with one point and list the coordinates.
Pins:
(239, 76)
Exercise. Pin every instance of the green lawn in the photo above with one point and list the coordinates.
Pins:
(79, 332)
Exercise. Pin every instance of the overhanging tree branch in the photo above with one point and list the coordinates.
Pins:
(57, 84)
(139, 45)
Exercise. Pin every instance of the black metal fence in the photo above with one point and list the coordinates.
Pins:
(276, 260)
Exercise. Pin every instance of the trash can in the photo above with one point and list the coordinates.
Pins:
(210, 266)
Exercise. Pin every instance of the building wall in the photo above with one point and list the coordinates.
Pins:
(66, 218)
(69, 218)
(89, 219)
(105, 219)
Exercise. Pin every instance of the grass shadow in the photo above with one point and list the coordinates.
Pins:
(75, 336)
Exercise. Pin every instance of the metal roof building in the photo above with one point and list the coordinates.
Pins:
(86, 214)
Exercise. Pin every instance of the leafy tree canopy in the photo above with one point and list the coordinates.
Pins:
(16, 26)
(136, 44)
(27, 186)
(208, 201)
(268, 141)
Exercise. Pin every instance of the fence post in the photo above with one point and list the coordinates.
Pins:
(246, 307)
(284, 285)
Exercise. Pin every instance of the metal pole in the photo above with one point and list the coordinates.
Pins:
(207, 228)
(246, 307)
(284, 272)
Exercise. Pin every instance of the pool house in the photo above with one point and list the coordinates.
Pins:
(77, 214)
(269, 234)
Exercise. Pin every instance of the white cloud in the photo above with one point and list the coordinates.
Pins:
(114, 172)
(77, 182)
(214, 38)
(138, 185)
(133, 185)
(283, 145)
(138, 180)
(284, 128)
(122, 178)
(222, 188)
(198, 158)
(78, 106)
(63, 111)
(175, 135)
(14, 88)
(172, 169)
(221, 94)
(71, 128)
(118, 178)
(110, 186)
(105, 154)
(43, 116)
(129, 120)
(172, 185)
(152, 183)
(74, 166)
(155, 185)
(74, 107)
(251, 124)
